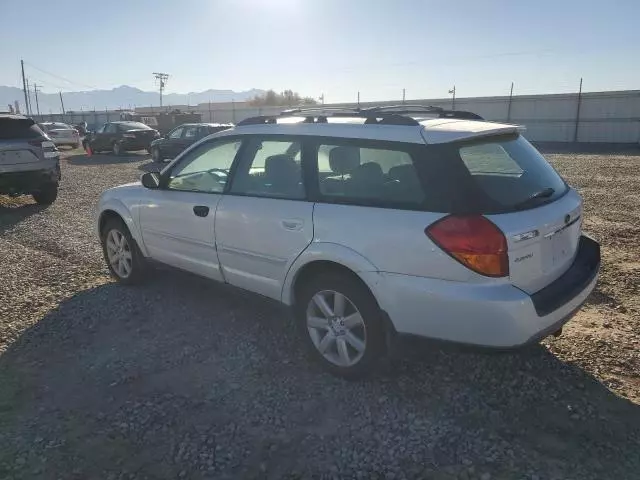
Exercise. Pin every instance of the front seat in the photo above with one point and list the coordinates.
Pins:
(282, 176)
(342, 161)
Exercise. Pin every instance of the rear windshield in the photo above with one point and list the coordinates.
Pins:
(511, 173)
(12, 128)
(133, 126)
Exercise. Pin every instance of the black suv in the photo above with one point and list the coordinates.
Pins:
(174, 142)
(120, 137)
(29, 161)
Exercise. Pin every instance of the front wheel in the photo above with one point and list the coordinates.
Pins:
(124, 259)
(341, 324)
(46, 194)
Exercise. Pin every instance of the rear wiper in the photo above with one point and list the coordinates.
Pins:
(544, 193)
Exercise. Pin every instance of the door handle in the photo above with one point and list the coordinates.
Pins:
(201, 210)
(292, 224)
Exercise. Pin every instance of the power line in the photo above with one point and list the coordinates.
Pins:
(61, 77)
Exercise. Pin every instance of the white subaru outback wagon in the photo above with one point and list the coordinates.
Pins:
(368, 223)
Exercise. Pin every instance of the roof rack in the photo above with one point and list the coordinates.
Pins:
(382, 115)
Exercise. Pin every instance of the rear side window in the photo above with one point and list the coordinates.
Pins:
(511, 173)
(360, 173)
(14, 128)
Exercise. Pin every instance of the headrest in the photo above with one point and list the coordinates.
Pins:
(343, 160)
(280, 165)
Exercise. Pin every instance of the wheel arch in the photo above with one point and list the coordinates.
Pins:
(116, 209)
(328, 256)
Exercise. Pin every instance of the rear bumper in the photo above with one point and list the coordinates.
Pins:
(30, 177)
(135, 144)
(496, 316)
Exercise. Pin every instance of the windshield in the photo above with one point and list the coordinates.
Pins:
(512, 173)
(133, 126)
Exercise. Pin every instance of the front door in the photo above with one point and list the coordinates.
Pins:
(264, 222)
(178, 220)
(170, 146)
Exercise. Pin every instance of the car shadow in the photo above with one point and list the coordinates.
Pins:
(14, 210)
(122, 377)
(83, 159)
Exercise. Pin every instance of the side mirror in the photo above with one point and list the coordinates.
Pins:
(150, 180)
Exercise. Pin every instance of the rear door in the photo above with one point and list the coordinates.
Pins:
(265, 220)
(538, 213)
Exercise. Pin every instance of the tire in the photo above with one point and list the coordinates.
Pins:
(116, 148)
(155, 155)
(111, 235)
(351, 347)
(47, 194)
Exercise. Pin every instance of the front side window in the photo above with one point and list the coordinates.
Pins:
(111, 128)
(270, 168)
(205, 169)
(360, 173)
(102, 128)
(177, 133)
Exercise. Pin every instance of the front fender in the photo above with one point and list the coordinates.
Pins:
(330, 252)
(117, 206)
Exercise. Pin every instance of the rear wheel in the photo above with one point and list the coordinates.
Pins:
(46, 194)
(341, 324)
(116, 148)
(124, 259)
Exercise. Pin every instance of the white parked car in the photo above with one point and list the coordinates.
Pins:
(368, 223)
(61, 134)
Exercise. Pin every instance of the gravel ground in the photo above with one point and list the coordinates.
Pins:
(181, 378)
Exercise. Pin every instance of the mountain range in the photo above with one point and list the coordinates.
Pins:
(121, 97)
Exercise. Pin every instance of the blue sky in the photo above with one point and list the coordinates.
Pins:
(335, 47)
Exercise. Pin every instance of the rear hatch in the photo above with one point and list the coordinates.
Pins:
(21, 141)
(523, 195)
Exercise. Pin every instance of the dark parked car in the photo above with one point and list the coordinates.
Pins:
(120, 137)
(29, 160)
(174, 142)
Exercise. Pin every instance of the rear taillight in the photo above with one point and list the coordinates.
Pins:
(48, 147)
(474, 241)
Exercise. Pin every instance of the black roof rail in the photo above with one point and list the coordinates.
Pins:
(382, 115)
(442, 113)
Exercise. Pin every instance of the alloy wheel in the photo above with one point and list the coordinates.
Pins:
(119, 253)
(336, 328)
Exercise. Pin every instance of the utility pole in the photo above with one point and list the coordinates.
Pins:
(575, 133)
(322, 98)
(24, 88)
(162, 80)
(62, 105)
(403, 95)
(453, 100)
(29, 112)
(509, 107)
(35, 90)
(358, 99)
